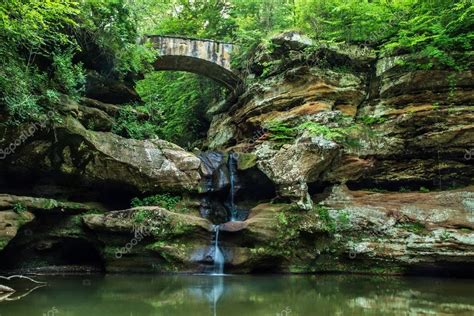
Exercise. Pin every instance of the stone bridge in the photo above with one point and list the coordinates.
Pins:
(204, 57)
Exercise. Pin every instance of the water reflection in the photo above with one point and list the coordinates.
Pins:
(16, 287)
(211, 292)
(245, 295)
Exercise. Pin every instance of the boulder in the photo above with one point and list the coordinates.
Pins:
(104, 158)
(152, 239)
(292, 40)
(294, 165)
(46, 206)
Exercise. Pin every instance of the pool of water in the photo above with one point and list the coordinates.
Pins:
(242, 295)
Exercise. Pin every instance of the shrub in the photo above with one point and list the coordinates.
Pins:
(70, 77)
(130, 124)
(166, 200)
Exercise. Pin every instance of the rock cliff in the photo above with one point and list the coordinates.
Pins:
(346, 162)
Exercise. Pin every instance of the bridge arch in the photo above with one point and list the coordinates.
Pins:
(204, 57)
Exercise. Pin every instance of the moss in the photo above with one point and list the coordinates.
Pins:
(76, 220)
(246, 161)
(94, 211)
(50, 204)
(424, 190)
(328, 221)
(4, 242)
(141, 216)
(174, 203)
(445, 236)
(72, 226)
(19, 208)
(414, 227)
(288, 227)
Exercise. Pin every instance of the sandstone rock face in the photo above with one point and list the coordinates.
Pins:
(369, 169)
(413, 128)
(45, 206)
(359, 231)
(96, 157)
(152, 239)
(292, 166)
(410, 230)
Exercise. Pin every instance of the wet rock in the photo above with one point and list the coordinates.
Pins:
(214, 171)
(176, 238)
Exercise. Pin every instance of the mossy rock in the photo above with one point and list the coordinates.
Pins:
(246, 161)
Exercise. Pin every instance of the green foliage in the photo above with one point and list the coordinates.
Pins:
(19, 208)
(326, 218)
(414, 227)
(255, 20)
(141, 216)
(202, 19)
(71, 76)
(372, 120)
(180, 101)
(437, 30)
(163, 200)
(282, 220)
(112, 25)
(282, 132)
(42, 43)
(31, 30)
(445, 236)
(349, 20)
(139, 122)
(35, 26)
(333, 225)
(20, 89)
(424, 190)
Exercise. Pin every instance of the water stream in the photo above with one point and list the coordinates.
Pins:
(218, 255)
(218, 204)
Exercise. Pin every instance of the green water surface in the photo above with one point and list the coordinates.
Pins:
(242, 295)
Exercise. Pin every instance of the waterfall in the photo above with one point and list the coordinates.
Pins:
(232, 172)
(218, 255)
